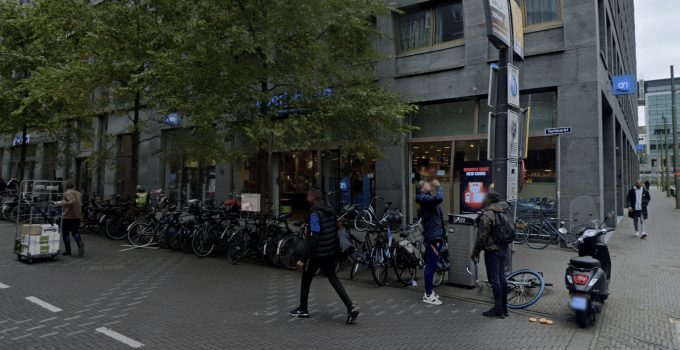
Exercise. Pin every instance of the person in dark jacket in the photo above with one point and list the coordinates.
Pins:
(494, 254)
(647, 184)
(638, 198)
(321, 253)
(13, 185)
(430, 195)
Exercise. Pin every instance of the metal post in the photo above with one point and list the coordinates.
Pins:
(676, 179)
(666, 186)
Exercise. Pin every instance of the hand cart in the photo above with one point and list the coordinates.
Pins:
(39, 220)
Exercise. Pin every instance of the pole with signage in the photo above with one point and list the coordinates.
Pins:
(666, 163)
(676, 178)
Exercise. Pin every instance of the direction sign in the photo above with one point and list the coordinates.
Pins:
(558, 131)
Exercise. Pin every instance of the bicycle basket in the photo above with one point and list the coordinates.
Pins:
(406, 254)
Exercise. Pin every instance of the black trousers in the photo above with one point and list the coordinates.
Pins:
(327, 266)
(70, 227)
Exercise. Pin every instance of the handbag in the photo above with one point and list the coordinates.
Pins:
(631, 214)
(345, 244)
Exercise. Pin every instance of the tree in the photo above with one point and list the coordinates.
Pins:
(280, 74)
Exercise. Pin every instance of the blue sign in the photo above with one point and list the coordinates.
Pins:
(557, 131)
(17, 140)
(624, 85)
(173, 119)
(640, 148)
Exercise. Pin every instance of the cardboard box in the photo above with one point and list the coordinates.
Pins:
(34, 229)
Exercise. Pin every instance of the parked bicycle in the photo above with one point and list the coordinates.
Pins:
(368, 218)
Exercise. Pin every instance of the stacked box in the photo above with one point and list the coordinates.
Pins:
(40, 239)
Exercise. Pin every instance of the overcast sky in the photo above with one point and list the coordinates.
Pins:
(657, 38)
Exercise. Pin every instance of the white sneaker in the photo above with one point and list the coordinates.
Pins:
(643, 235)
(432, 299)
(637, 234)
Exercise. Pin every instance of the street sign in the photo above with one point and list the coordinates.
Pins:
(517, 29)
(623, 85)
(513, 180)
(513, 86)
(17, 140)
(498, 22)
(513, 135)
(557, 131)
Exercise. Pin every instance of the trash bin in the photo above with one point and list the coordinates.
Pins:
(462, 235)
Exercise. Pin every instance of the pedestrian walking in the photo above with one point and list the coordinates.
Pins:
(430, 195)
(647, 184)
(72, 214)
(638, 200)
(492, 219)
(321, 252)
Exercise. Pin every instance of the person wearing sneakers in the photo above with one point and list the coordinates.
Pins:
(72, 214)
(638, 199)
(430, 195)
(320, 253)
(495, 254)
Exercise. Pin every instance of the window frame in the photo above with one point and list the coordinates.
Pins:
(545, 25)
(432, 46)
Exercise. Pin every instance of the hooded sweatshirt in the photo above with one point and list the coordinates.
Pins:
(486, 221)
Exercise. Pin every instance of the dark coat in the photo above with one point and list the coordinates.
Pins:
(646, 198)
(431, 215)
(323, 239)
(485, 223)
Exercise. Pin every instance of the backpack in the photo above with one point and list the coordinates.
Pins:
(503, 231)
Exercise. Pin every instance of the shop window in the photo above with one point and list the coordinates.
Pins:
(543, 109)
(542, 13)
(445, 119)
(431, 160)
(424, 27)
(537, 198)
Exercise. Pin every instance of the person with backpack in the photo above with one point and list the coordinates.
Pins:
(638, 199)
(321, 252)
(495, 232)
(430, 195)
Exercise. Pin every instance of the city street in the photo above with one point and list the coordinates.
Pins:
(118, 298)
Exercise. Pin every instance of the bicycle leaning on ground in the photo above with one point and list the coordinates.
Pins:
(525, 286)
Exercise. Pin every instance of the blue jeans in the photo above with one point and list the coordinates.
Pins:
(495, 272)
(431, 258)
(70, 227)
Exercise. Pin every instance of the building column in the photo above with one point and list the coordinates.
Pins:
(609, 161)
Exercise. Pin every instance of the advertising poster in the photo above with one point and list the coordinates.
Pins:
(517, 29)
(474, 183)
(513, 135)
(250, 202)
(498, 22)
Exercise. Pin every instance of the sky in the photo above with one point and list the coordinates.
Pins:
(657, 37)
(657, 32)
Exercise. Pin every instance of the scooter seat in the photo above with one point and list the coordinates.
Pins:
(584, 262)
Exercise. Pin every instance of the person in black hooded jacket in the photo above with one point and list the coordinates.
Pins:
(320, 253)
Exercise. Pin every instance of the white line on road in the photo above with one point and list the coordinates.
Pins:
(72, 318)
(61, 326)
(48, 319)
(3, 286)
(44, 304)
(48, 335)
(22, 336)
(119, 337)
(36, 327)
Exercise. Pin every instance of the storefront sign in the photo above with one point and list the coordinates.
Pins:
(513, 180)
(474, 184)
(250, 202)
(17, 140)
(517, 29)
(513, 135)
(557, 131)
(623, 85)
(498, 22)
(513, 86)
(173, 119)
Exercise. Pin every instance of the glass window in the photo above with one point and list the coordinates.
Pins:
(541, 11)
(430, 26)
(414, 30)
(445, 119)
(429, 161)
(543, 109)
(448, 22)
(538, 194)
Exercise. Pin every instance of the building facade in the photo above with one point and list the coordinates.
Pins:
(657, 103)
(438, 56)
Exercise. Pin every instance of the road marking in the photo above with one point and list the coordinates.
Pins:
(76, 332)
(71, 318)
(9, 329)
(61, 326)
(48, 319)
(44, 304)
(3, 286)
(48, 335)
(36, 327)
(22, 336)
(119, 337)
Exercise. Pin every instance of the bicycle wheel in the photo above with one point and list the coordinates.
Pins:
(115, 228)
(185, 237)
(238, 248)
(571, 241)
(286, 252)
(140, 234)
(438, 278)
(360, 257)
(363, 220)
(525, 287)
(201, 242)
(539, 238)
(405, 274)
(379, 266)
